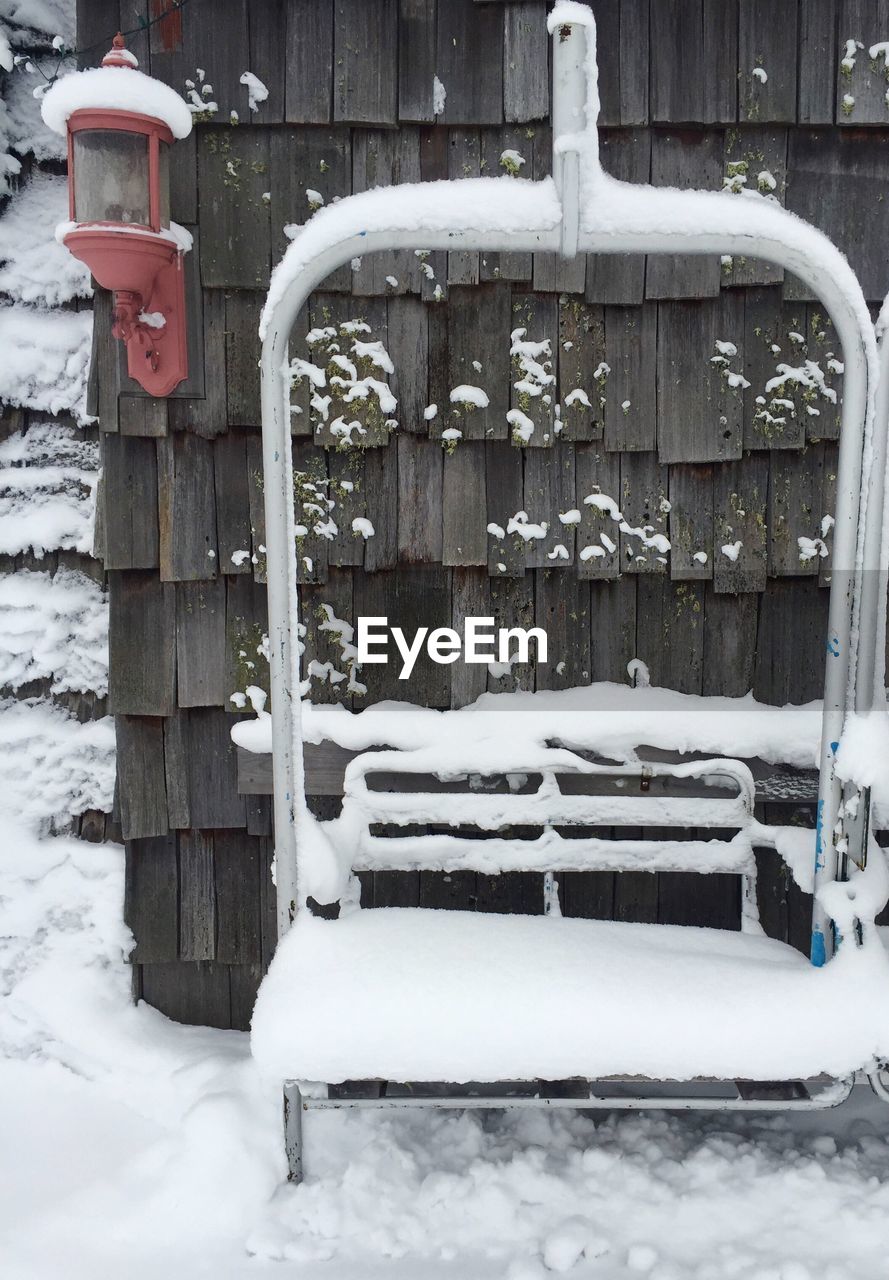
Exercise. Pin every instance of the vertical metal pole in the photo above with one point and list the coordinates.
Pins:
(570, 124)
(293, 1132)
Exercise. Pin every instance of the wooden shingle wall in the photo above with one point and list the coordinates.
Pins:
(694, 93)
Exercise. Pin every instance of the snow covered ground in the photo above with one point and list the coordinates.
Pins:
(133, 1146)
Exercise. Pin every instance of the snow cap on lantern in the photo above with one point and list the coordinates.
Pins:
(120, 125)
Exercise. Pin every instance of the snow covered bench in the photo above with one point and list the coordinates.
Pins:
(417, 1007)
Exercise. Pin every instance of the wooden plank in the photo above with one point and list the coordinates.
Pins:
(232, 503)
(257, 505)
(433, 167)
(619, 278)
(321, 607)
(464, 509)
(790, 642)
(684, 159)
(267, 24)
(141, 641)
(233, 175)
(419, 499)
(380, 488)
(512, 605)
(740, 494)
(860, 80)
(562, 609)
(186, 508)
(105, 360)
(196, 993)
(175, 769)
(469, 62)
(503, 499)
(828, 507)
(246, 622)
(414, 596)
(818, 60)
(382, 158)
(236, 867)
(408, 347)
(142, 416)
(703, 901)
(464, 161)
(242, 353)
(310, 497)
(645, 506)
(448, 890)
(634, 61)
(308, 62)
(416, 60)
(200, 643)
(729, 642)
(304, 161)
(197, 897)
(627, 380)
(581, 350)
(184, 179)
(823, 416)
(836, 179)
(699, 410)
(767, 63)
(479, 322)
(211, 770)
(347, 488)
(142, 792)
(609, 62)
(525, 62)
(774, 333)
(205, 414)
(550, 492)
(534, 372)
(365, 80)
(755, 160)
(470, 599)
(151, 907)
(694, 50)
(670, 632)
(691, 522)
(129, 466)
(612, 628)
(794, 510)
(219, 47)
(244, 980)
(597, 475)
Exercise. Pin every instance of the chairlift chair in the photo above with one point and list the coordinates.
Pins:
(319, 983)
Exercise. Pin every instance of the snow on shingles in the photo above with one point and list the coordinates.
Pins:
(35, 268)
(44, 359)
(48, 478)
(53, 627)
(52, 765)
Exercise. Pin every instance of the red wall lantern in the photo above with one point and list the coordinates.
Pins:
(120, 126)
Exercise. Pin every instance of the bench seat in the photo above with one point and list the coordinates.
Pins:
(423, 995)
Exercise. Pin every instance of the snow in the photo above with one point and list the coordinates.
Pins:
(257, 92)
(44, 359)
(43, 17)
(52, 765)
(117, 88)
(48, 478)
(469, 395)
(604, 998)
(439, 96)
(36, 269)
(54, 628)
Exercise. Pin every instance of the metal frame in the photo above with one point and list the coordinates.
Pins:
(857, 594)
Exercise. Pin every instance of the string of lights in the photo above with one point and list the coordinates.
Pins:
(144, 24)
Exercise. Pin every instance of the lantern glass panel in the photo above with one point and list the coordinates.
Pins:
(164, 182)
(110, 176)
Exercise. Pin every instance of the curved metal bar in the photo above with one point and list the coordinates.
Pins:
(280, 540)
